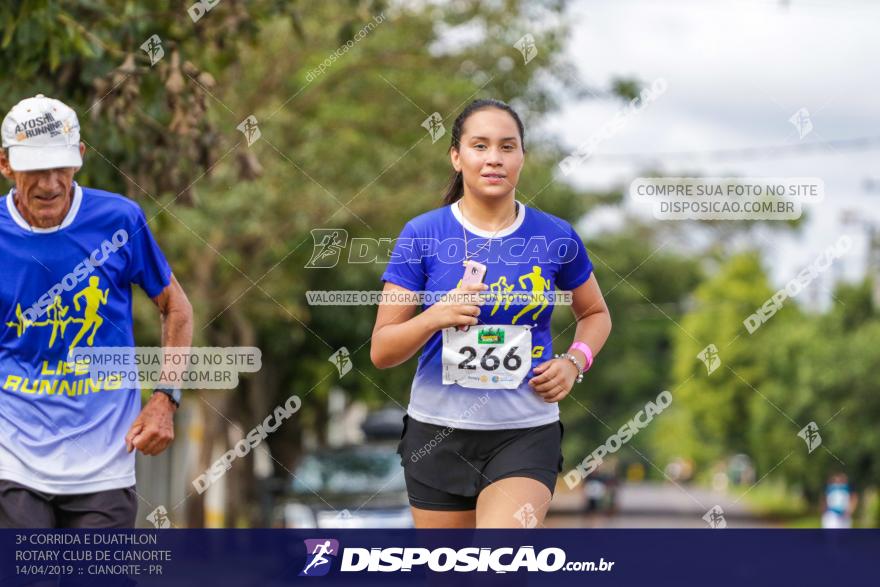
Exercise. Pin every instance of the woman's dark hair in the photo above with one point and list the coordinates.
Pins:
(455, 189)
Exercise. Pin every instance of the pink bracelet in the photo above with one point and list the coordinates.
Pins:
(584, 348)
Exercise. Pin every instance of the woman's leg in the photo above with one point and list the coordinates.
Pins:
(513, 502)
(435, 508)
(443, 519)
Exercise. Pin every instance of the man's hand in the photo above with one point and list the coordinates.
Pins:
(153, 430)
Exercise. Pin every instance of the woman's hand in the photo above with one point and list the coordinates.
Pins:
(454, 312)
(554, 379)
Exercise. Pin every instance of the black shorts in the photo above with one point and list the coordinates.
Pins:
(447, 468)
(23, 507)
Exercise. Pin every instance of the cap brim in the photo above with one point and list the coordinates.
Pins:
(37, 158)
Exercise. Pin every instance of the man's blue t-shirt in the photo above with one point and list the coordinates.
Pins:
(537, 253)
(62, 288)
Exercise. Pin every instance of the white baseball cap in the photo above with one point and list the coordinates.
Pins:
(41, 133)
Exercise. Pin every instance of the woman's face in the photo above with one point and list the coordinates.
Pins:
(490, 155)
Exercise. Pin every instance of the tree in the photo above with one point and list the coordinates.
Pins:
(711, 412)
(822, 372)
(633, 367)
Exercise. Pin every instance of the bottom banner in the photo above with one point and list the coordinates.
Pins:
(270, 558)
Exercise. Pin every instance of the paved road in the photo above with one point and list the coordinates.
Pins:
(653, 505)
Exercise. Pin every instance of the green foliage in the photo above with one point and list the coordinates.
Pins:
(823, 371)
(634, 366)
(716, 406)
(144, 123)
(796, 369)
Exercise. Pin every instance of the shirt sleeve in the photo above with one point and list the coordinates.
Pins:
(575, 268)
(148, 266)
(406, 267)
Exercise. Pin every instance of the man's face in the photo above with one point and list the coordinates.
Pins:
(43, 197)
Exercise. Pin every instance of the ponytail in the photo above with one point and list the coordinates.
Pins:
(455, 189)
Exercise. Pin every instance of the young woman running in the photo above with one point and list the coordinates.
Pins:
(482, 439)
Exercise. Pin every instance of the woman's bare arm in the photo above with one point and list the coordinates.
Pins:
(399, 332)
(592, 315)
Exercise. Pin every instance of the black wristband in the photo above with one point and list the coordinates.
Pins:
(173, 395)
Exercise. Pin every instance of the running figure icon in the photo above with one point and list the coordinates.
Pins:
(319, 556)
(539, 286)
(95, 297)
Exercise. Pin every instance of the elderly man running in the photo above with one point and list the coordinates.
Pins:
(70, 255)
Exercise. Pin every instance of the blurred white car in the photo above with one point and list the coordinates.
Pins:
(357, 486)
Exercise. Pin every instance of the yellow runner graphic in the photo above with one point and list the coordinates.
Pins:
(539, 286)
(57, 315)
(500, 288)
(95, 297)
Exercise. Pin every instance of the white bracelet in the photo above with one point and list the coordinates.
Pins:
(574, 360)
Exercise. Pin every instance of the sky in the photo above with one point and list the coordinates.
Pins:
(736, 72)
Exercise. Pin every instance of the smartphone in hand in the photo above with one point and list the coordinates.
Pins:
(474, 272)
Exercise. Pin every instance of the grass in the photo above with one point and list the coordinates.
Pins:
(775, 502)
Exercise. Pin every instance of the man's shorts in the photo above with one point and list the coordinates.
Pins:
(447, 468)
(23, 507)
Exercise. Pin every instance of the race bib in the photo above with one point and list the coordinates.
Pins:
(487, 356)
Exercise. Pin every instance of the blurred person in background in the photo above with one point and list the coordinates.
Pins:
(839, 502)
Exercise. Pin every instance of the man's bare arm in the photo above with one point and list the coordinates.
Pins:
(153, 430)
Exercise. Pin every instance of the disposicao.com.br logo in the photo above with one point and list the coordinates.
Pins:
(321, 553)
